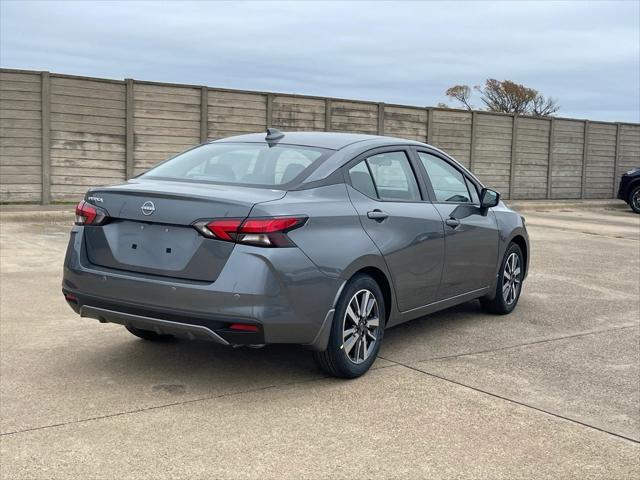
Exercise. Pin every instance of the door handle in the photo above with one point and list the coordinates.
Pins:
(378, 215)
(452, 222)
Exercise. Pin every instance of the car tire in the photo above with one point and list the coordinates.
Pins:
(634, 199)
(355, 337)
(507, 291)
(149, 335)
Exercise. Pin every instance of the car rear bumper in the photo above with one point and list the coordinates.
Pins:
(157, 325)
(279, 290)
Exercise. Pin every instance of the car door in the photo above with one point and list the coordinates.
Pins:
(407, 229)
(471, 232)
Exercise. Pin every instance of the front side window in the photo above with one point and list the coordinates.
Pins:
(393, 176)
(475, 198)
(449, 184)
(250, 164)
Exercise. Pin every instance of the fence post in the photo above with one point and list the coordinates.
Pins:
(204, 114)
(129, 119)
(550, 157)
(616, 161)
(380, 118)
(512, 164)
(429, 125)
(45, 99)
(269, 109)
(327, 115)
(472, 152)
(585, 158)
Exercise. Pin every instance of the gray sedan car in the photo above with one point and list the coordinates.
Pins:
(319, 239)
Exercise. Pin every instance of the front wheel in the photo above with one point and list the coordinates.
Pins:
(509, 284)
(634, 199)
(357, 330)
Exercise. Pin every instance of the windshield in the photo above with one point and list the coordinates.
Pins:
(245, 164)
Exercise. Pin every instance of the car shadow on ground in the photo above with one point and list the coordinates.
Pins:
(198, 363)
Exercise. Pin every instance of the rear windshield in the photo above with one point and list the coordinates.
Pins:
(245, 164)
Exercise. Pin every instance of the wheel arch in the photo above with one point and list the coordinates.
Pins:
(375, 267)
(633, 184)
(524, 247)
(383, 282)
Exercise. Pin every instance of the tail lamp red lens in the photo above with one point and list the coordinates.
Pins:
(262, 232)
(87, 214)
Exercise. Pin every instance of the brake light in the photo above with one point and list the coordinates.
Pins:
(224, 229)
(87, 214)
(262, 232)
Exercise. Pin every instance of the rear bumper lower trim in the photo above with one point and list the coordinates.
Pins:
(157, 325)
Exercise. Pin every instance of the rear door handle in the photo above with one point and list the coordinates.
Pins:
(452, 222)
(378, 215)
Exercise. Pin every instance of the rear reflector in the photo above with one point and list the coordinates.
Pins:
(262, 232)
(243, 327)
(70, 297)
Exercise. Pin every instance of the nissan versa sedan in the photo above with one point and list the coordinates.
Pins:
(319, 239)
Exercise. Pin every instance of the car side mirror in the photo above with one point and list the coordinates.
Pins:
(489, 198)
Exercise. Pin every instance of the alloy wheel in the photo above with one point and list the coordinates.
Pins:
(511, 278)
(360, 326)
(635, 200)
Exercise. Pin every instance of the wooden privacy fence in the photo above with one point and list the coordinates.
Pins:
(60, 134)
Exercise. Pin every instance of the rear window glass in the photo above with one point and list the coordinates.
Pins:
(393, 176)
(250, 164)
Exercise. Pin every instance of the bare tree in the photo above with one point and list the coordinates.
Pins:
(544, 106)
(461, 93)
(507, 96)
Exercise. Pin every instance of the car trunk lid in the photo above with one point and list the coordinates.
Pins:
(150, 226)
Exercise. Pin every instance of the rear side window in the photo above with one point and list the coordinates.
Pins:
(250, 164)
(361, 179)
(449, 184)
(393, 176)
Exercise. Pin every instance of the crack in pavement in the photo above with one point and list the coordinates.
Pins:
(517, 402)
(510, 400)
(573, 230)
(536, 342)
(175, 404)
(393, 363)
(495, 395)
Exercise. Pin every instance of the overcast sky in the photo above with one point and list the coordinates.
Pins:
(585, 54)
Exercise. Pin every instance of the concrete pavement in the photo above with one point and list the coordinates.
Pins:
(550, 391)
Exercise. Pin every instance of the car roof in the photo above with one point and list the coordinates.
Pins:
(328, 140)
(347, 145)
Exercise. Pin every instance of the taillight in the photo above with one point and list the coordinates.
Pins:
(87, 214)
(262, 232)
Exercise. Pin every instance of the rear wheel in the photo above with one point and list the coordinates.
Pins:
(634, 199)
(357, 330)
(148, 334)
(509, 284)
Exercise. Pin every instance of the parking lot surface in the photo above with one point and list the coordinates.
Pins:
(550, 391)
